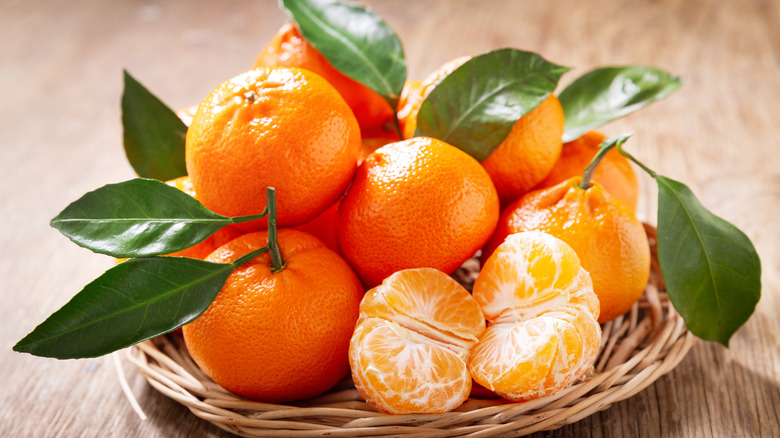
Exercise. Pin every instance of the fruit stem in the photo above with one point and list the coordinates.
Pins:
(277, 262)
(604, 147)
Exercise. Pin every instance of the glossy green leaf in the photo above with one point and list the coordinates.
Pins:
(131, 302)
(355, 40)
(475, 107)
(139, 217)
(608, 93)
(711, 269)
(153, 134)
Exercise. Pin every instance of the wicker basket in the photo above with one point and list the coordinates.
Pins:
(636, 349)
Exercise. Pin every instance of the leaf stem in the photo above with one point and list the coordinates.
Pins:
(244, 259)
(240, 219)
(605, 147)
(277, 262)
(637, 162)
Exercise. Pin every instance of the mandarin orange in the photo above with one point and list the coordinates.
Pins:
(279, 127)
(415, 203)
(614, 172)
(323, 227)
(609, 240)
(527, 154)
(543, 333)
(278, 336)
(289, 49)
(411, 344)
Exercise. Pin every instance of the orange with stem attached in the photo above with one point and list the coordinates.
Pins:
(614, 172)
(604, 232)
(280, 327)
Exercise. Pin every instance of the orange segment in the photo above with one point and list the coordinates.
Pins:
(543, 333)
(410, 348)
(517, 357)
(429, 302)
(526, 274)
(401, 371)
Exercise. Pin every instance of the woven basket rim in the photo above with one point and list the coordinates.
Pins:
(636, 349)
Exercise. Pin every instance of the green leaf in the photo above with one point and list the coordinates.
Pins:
(139, 217)
(711, 269)
(153, 134)
(475, 107)
(131, 302)
(355, 40)
(608, 93)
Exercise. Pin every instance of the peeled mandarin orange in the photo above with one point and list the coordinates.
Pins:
(614, 172)
(409, 351)
(609, 240)
(542, 310)
(289, 49)
(415, 203)
(272, 127)
(519, 162)
(278, 336)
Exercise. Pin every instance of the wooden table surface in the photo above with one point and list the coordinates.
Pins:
(60, 136)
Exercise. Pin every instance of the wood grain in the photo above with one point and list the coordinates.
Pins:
(61, 136)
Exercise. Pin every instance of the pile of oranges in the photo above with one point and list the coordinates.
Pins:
(397, 220)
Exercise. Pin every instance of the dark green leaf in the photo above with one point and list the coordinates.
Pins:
(711, 270)
(355, 40)
(131, 302)
(475, 107)
(153, 134)
(608, 93)
(139, 217)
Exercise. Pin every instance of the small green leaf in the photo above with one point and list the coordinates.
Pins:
(475, 107)
(131, 302)
(711, 269)
(608, 93)
(153, 134)
(355, 40)
(139, 217)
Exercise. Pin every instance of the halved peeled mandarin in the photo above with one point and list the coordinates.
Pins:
(543, 332)
(411, 344)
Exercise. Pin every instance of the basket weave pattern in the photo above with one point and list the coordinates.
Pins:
(636, 349)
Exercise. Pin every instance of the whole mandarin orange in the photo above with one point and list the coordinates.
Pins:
(289, 49)
(526, 155)
(280, 336)
(415, 203)
(604, 232)
(614, 172)
(280, 127)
